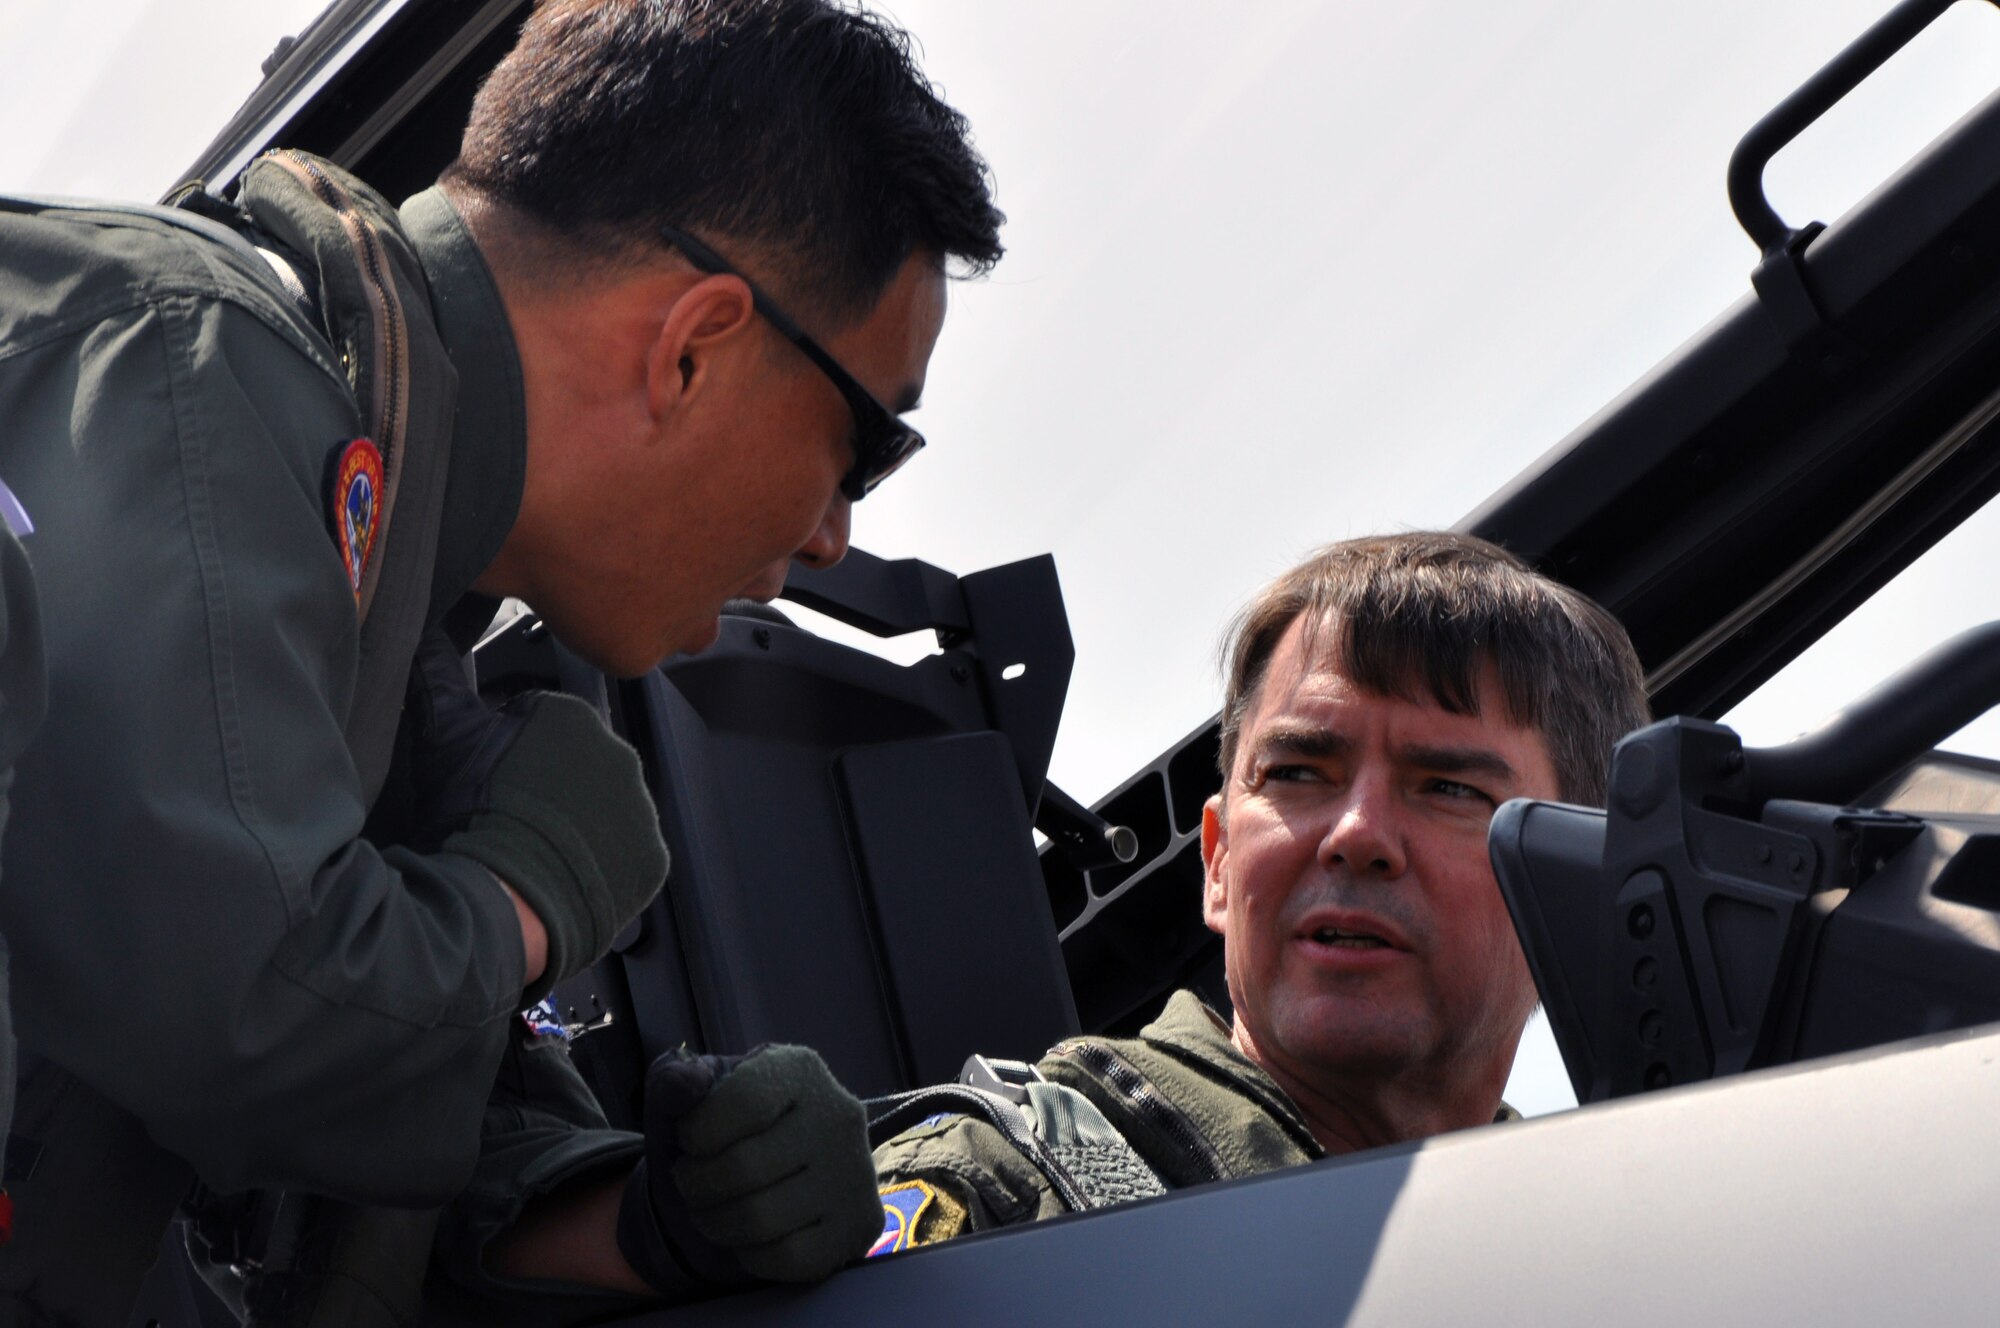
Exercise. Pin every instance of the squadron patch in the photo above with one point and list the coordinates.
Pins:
(357, 507)
(544, 1020)
(902, 1205)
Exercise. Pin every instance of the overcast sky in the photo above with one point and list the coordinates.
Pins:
(1279, 272)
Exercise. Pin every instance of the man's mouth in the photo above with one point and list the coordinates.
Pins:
(1349, 940)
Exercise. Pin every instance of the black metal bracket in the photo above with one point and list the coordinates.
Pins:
(883, 597)
(1002, 1078)
(1673, 935)
(1085, 838)
(1780, 278)
(1009, 621)
(1810, 337)
(1708, 912)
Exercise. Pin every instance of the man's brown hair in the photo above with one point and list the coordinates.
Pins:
(1417, 616)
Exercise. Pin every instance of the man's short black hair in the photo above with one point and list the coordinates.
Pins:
(800, 128)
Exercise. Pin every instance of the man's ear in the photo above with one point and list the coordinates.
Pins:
(1214, 858)
(700, 324)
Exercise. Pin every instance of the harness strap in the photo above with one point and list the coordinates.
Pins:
(890, 1116)
(1086, 1161)
(1103, 1163)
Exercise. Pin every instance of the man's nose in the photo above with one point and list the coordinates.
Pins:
(1366, 835)
(828, 544)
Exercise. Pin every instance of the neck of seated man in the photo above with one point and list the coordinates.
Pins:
(1350, 1107)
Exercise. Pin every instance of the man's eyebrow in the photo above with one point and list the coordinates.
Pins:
(1460, 761)
(908, 399)
(1313, 742)
(1307, 740)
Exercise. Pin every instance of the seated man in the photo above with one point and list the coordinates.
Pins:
(1383, 699)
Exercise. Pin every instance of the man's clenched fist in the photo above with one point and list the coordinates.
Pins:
(756, 1167)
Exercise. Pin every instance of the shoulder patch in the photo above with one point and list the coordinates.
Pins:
(902, 1206)
(357, 503)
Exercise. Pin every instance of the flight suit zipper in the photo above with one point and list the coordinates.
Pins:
(1151, 1108)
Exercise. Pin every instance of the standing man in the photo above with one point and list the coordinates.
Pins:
(1384, 698)
(643, 346)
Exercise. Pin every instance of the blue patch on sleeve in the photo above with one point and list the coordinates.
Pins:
(543, 1021)
(902, 1205)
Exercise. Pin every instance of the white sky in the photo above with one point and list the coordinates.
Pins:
(1278, 273)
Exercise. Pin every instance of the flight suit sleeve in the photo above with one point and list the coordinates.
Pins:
(955, 1174)
(543, 1131)
(199, 931)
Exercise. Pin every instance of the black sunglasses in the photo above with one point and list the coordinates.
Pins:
(882, 442)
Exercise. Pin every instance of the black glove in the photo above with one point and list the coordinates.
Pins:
(756, 1167)
(543, 795)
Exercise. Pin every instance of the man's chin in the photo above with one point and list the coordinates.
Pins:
(1358, 1036)
(689, 640)
(704, 636)
(622, 662)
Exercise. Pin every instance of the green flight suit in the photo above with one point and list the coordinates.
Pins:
(1192, 1106)
(216, 974)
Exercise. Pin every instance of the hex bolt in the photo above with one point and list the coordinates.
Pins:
(1639, 922)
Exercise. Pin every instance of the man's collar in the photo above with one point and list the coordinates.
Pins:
(1191, 1030)
(489, 439)
(1193, 1033)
